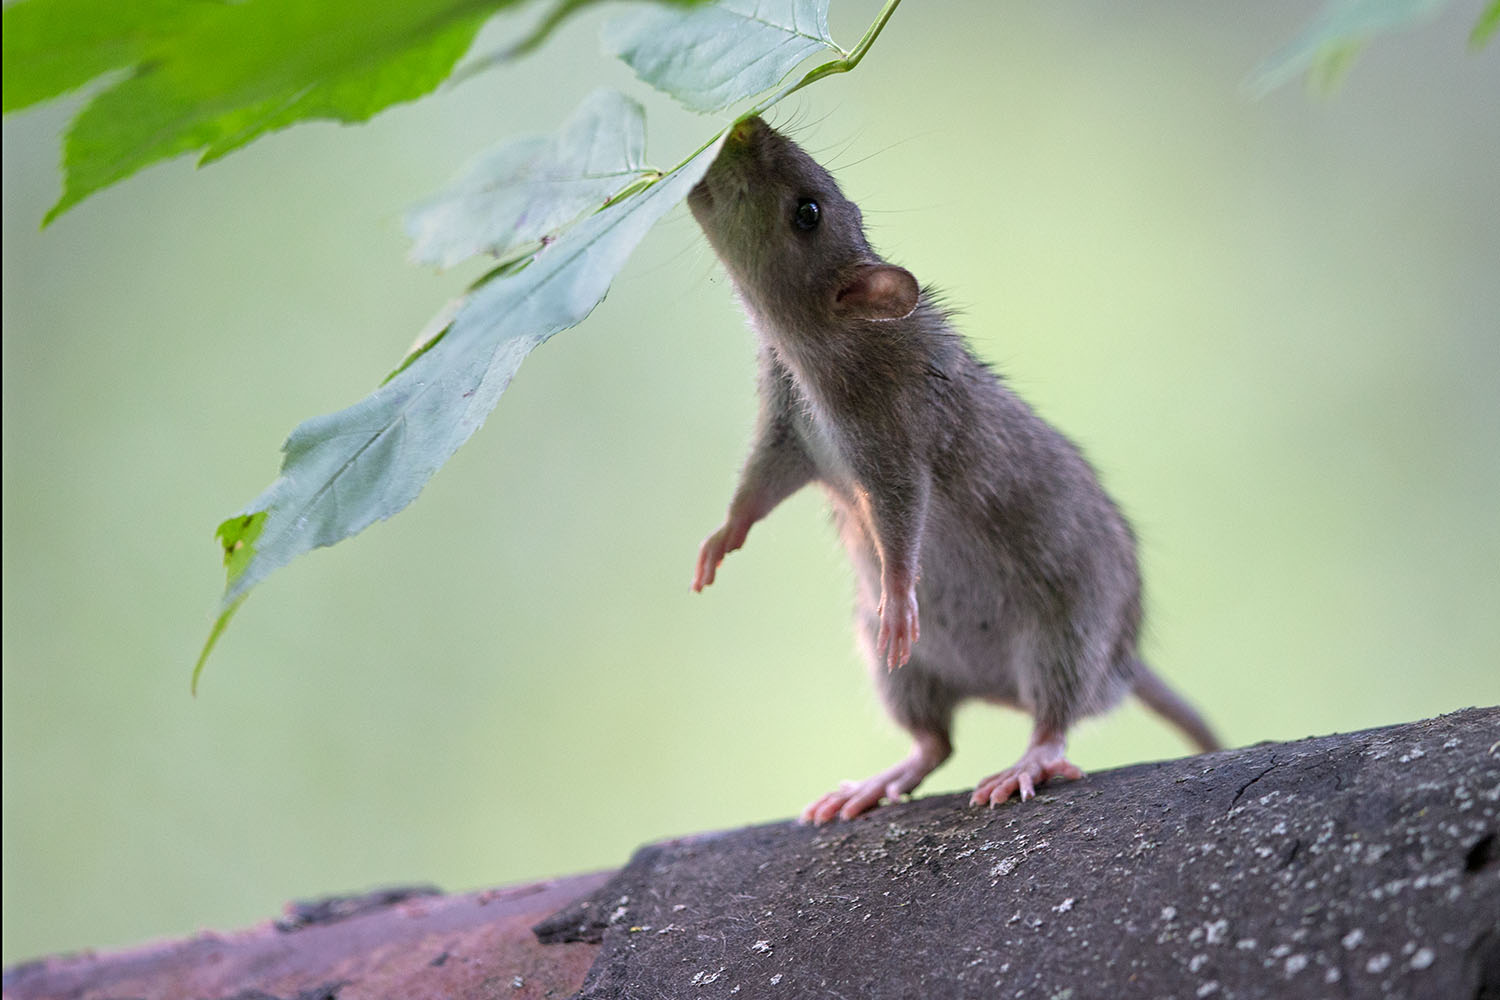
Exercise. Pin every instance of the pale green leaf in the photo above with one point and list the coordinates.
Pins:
(523, 192)
(1339, 28)
(344, 471)
(715, 56)
(539, 34)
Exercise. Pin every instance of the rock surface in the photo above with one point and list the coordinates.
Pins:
(386, 945)
(1363, 865)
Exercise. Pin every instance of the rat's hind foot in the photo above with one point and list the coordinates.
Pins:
(1042, 760)
(855, 797)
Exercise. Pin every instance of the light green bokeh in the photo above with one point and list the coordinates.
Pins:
(1275, 327)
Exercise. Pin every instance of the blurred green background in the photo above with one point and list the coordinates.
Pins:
(1274, 325)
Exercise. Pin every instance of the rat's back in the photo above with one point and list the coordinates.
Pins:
(1029, 575)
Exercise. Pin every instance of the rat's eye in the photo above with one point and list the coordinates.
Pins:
(806, 216)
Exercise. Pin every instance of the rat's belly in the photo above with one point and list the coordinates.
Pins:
(977, 632)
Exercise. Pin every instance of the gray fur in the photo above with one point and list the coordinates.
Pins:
(1027, 585)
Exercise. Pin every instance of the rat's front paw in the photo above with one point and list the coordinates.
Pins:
(710, 554)
(715, 547)
(898, 627)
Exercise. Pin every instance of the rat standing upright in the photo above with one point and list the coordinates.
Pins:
(952, 496)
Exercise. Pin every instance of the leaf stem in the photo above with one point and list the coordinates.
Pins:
(844, 65)
(850, 61)
(871, 33)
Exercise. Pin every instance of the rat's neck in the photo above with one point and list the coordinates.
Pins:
(806, 343)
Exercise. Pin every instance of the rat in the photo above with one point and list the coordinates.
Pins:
(988, 560)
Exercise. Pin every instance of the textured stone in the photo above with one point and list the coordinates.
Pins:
(1362, 865)
(411, 945)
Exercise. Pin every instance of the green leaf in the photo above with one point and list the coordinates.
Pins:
(234, 71)
(522, 192)
(1332, 36)
(1489, 21)
(344, 471)
(212, 75)
(220, 624)
(54, 46)
(715, 56)
(237, 536)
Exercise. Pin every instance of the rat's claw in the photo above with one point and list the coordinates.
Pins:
(708, 562)
(715, 547)
(827, 807)
(1040, 763)
(852, 799)
(856, 797)
(898, 628)
(900, 653)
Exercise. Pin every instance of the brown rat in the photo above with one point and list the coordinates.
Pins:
(951, 494)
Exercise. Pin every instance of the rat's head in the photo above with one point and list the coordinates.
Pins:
(793, 243)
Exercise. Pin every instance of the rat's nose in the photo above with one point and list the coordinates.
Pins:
(744, 131)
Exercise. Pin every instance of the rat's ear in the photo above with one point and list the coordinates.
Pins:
(878, 291)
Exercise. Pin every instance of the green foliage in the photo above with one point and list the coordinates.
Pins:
(237, 536)
(211, 77)
(54, 46)
(562, 214)
(346, 470)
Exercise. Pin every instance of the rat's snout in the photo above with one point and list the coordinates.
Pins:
(728, 179)
(744, 132)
